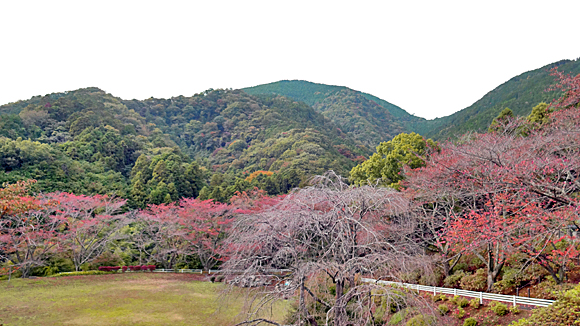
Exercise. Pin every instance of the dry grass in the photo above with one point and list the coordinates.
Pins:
(123, 299)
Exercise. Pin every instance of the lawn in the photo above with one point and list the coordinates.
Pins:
(119, 299)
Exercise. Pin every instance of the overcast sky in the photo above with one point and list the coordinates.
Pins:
(431, 58)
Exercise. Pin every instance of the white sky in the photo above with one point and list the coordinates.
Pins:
(431, 58)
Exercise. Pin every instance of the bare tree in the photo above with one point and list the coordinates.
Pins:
(329, 232)
(158, 235)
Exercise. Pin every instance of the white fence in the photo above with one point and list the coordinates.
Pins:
(211, 271)
(515, 300)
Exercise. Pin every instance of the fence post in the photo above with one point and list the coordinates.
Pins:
(480, 297)
(514, 300)
(454, 291)
(434, 291)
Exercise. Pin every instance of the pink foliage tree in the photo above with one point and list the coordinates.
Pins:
(92, 222)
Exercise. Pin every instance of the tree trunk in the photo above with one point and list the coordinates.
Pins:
(338, 306)
(302, 305)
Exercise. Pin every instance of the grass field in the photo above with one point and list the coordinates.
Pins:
(119, 299)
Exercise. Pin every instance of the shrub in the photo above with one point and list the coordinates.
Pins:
(81, 273)
(397, 317)
(461, 266)
(510, 279)
(459, 313)
(124, 269)
(443, 309)
(470, 322)
(452, 281)
(420, 320)
(454, 299)
(514, 310)
(498, 308)
(474, 303)
(462, 302)
(439, 297)
(564, 311)
(549, 289)
(474, 282)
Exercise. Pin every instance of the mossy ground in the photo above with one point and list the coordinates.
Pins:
(120, 299)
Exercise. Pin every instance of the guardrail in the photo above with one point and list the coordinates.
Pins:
(514, 299)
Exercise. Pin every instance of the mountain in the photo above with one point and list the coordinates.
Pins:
(159, 150)
(363, 117)
(521, 93)
(371, 120)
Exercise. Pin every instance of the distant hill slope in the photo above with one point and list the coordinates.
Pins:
(364, 117)
(376, 120)
(520, 94)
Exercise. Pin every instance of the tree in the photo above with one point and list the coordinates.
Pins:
(90, 224)
(499, 123)
(328, 232)
(14, 199)
(158, 235)
(539, 115)
(205, 224)
(387, 163)
(509, 193)
(29, 235)
(568, 84)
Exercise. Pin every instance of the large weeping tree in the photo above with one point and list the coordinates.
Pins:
(329, 233)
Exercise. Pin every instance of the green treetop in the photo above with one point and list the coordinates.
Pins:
(386, 164)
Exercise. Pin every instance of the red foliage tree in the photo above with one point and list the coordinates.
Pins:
(506, 192)
(14, 199)
(204, 224)
(29, 232)
(568, 84)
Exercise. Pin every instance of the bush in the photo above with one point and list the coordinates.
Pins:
(510, 279)
(462, 302)
(452, 281)
(420, 320)
(397, 317)
(498, 308)
(439, 297)
(81, 273)
(474, 282)
(443, 309)
(470, 322)
(474, 303)
(564, 311)
(459, 313)
(461, 266)
(514, 310)
(549, 289)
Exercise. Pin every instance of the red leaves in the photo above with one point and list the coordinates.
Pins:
(569, 85)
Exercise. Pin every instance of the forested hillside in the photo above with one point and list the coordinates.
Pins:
(160, 150)
(520, 94)
(379, 119)
(358, 114)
